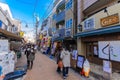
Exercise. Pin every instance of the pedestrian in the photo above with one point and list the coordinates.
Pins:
(65, 56)
(31, 57)
(59, 68)
(27, 53)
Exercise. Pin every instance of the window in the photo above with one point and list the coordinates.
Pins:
(92, 49)
(69, 23)
(0, 23)
(54, 16)
(69, 4)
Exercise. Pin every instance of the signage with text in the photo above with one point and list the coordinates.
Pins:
(110, 20)
(89, 24)
(109, 50)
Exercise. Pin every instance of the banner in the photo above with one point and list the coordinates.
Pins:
(21, 34)
(4, 46)
(109, 50)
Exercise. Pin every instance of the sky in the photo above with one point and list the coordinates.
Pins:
(24, 10)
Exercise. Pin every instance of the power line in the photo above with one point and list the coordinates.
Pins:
(48, 8)
(34, 10)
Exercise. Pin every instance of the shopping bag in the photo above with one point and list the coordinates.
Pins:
(60, 64)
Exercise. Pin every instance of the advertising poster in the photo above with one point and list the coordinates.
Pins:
(95, 51)
(109, 50)
(4, 46)
(74, 54)
(107, 66)
(80, 61)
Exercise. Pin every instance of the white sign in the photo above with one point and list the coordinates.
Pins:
(89, 24)
(95, 50)
(109, 50)
(80, 61)
(74, 54)
(107, 66)
(4, 46)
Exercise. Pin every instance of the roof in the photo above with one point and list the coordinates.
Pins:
(10, 35)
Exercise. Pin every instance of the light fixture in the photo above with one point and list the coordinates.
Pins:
(106, 11)
(26, 25)
(80, 28)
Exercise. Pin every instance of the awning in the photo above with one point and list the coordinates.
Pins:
(58, 39)
(107, 30)
(10, 35)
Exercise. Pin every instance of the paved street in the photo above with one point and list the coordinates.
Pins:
(45, 69)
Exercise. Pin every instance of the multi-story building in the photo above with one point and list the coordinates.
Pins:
(98, 36)
(58, 19)
(8, 25)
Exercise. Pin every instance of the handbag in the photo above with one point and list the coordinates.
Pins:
(60, 64)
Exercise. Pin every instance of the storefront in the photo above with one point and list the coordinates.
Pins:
(99, 43)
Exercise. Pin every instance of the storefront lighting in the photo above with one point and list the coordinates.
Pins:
(80, 28)
(106, 11)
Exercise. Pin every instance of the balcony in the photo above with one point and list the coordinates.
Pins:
(61, 5)
(60, 33)
(88, 7)
(60, 17)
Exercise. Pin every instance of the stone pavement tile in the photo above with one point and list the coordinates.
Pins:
(21, 61)
(45, 69)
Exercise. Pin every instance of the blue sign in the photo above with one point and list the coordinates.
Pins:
(0, 23)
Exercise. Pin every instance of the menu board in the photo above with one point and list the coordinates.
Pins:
(80, 61)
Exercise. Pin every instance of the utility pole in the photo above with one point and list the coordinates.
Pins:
(36, 26)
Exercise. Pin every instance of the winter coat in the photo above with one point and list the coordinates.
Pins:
(65, 56)
(31, 56)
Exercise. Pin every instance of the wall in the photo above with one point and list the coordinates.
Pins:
(88, 3)
(81, 47)
(111, 10)
(3, 18)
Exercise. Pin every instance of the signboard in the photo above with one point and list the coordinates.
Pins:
(110, 20)
(74, 54)
(4, 46)
(109, 50)
(21, 34)
(107, 66)
(80, 61)
(68, 32)
(0, 23)
(89, 24)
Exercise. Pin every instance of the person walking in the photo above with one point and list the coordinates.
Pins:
(31, 57)
(27, 53)
(65, 56)
(59, 61)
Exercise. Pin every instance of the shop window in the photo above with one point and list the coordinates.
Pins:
(92, 49)
(92, 53)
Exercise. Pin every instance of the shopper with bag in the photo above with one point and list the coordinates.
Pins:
(59, 61)
(65, 56)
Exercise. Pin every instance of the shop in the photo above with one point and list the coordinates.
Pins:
(8, 58)
(99, 42)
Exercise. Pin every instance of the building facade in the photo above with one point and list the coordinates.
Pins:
(99, 21)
